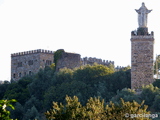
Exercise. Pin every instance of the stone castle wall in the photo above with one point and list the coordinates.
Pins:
(91, 61)
(141, 60)
(72, 60)
(29, 62)
(68, 60)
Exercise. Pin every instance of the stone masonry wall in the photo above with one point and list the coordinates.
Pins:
(29, 62)
(91, 61)
(68, 60)
(72, 60)
(141, 60)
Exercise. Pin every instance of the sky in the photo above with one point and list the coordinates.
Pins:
(92, 28)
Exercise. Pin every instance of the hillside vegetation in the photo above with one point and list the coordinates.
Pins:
(35, 94)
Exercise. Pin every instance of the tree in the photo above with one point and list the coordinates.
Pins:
(15, 91)
(31, 114)
(58, 93)
(91, 74)
(149, 93)
(126, 95)
(53, 67)
(41, 82)
(32, 102)
(157, 64)
(125, 110)
(64, 75)
(84, 82)
(19, 90)
(49, 96)
(95, 109)
(4, 113)
(57, 55)
(18, 113)
(3, 88)
(72, 110)
(156, 83)
(156, 103)
(120, 79)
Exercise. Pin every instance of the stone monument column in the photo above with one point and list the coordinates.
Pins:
(142, 47)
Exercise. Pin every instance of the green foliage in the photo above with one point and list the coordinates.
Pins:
(49, 96)
(83, 82)
(57, 55)
(89, 72)
(127, 95)
(39, 90)
(31, 114)
(3, 88)
(41, 82)
(4, 113)
(149, 93)
(156, 83)
(156, 103)
(33, 101)
(18, 113)
(35, 94)
(95, 110)
(53, 67)
(120, 80)
(64, 75)
(72, 110)
(123, 110)
(157, 64)
(18, 90)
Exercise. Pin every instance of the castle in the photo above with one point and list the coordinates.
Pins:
(29, 62)
(142, 46)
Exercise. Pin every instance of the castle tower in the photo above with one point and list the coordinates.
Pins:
(68, 60)
(29, 62)
(142, 46)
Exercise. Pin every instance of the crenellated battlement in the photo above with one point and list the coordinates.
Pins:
(90, 60)
(142, 33)
(32, 52)
(135, 36)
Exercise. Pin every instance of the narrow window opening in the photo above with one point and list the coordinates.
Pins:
(30, 73)
(20, 75)
(14, 75)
